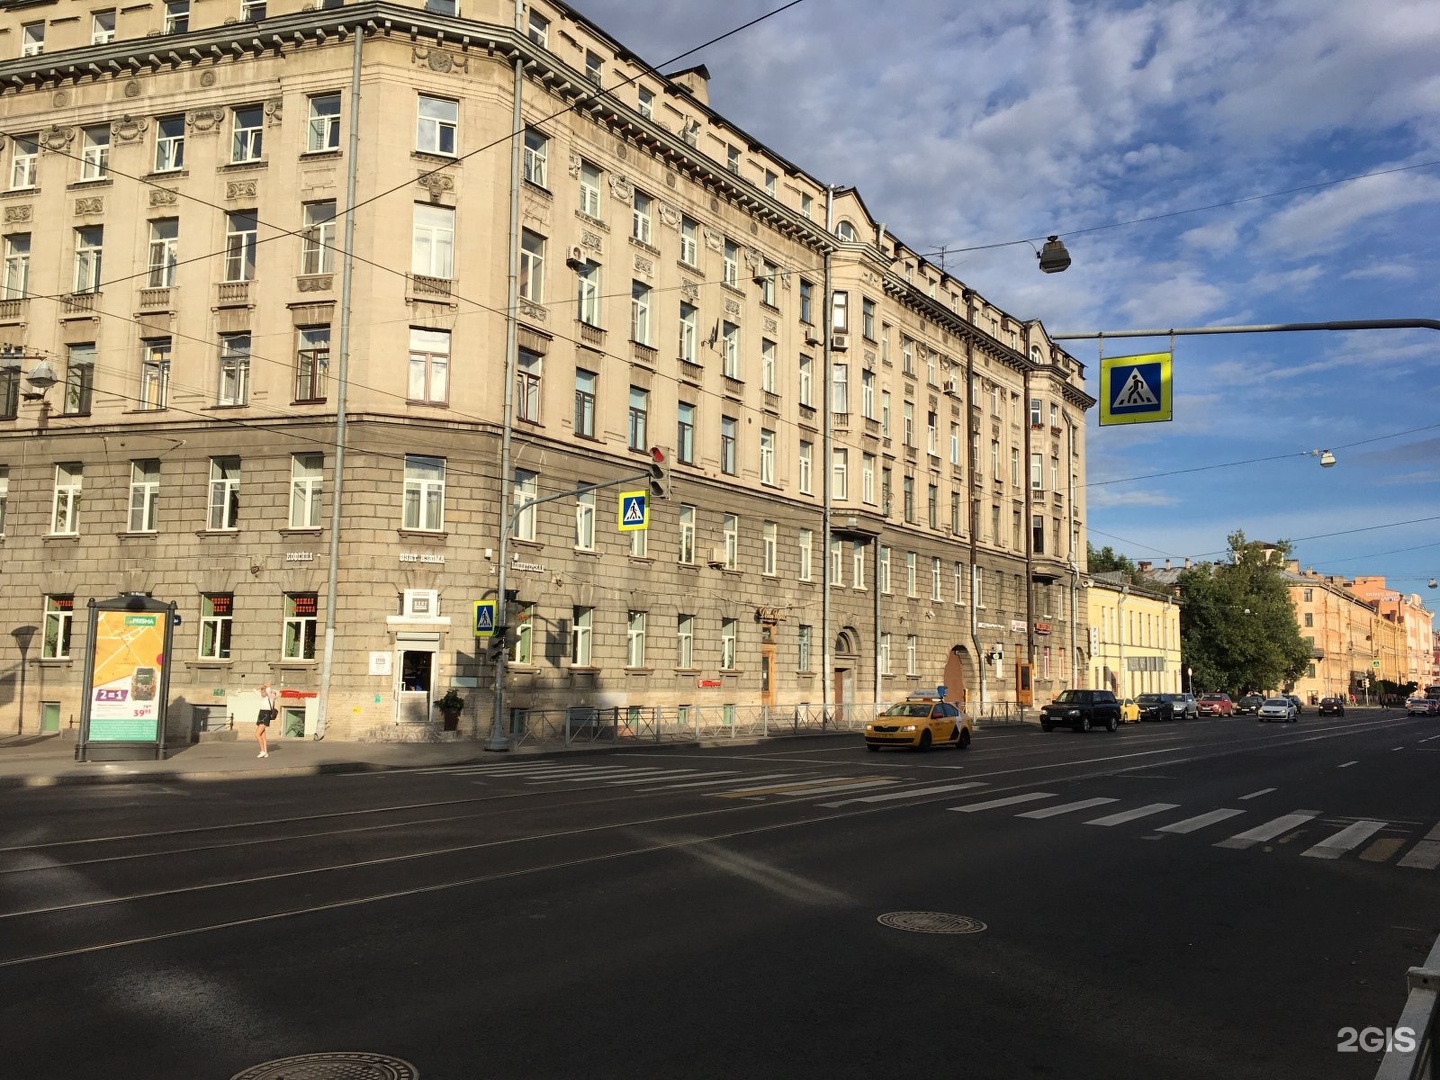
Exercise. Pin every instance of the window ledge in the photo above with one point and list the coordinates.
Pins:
(61, 538)
(228, 533)
(421, 534)
(245, 166)
(583, 669)
(137, 534)
(322, 155)
(442, 159)
(309, 530)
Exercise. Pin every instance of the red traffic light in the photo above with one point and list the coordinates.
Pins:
(657, 455)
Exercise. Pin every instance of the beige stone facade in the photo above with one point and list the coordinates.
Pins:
(1134, 639)
(175, 235)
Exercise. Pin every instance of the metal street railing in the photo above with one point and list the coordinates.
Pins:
(1411, 1053)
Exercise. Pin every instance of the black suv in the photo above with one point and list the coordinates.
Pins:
(1082, 710)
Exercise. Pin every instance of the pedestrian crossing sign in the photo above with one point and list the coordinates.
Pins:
(1136, 389)
(634, 510)
(484, 618)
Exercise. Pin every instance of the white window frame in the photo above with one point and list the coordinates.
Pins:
(729, 635)
(729, 451)
(24, 159)
(17, 267)
(177, 16)
(242, 236)
(307, 487)
(883, 660)
(322, 134)
(299, 631)
(685, 548)
(312, 362)
(767, 365)
(730, 265)
(769, 548)
(730, 350)
(423, 496)
(525, 491)
(806, 368)
(428, 367)
(867, 479)
(65, 510)
(689, 247)
(216, 630)
(432, 241)
(912, 654)
(640, 218)
(685, 642)
(32, 38)
(529, 369)
(234, 370)
(640, 313)
(840, 473)
(317, 237)
(247, 134)
(805, 543)
(144, 495)
(224, 499)
(590, 189)
(436, 125)
(884, 569)
(170, 143)
(585, 521)
(89, 256)
(164, 242)
(804, 639)
(767, 457)
(635, 639)
(689, 334)
(582, 626)
(730, 531)
(911, 566)
(587, 309)
(532, 266)
(95, 152)
(857, 564)
(805, 467)
(59, 627)
(154, 374)
(537, 158)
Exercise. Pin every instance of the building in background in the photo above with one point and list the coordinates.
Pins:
(268, 347)
(1134, 637)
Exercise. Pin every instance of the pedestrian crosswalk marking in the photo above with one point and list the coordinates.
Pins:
(858, 785)
(1270, 830)
(1132, 815)
(1352, 836)
(1136, 391)
(730, 778)
(819, 782)
(906, 794)
(1013, 800)
(1065, 808)
(1198, 822)
(1426, 854)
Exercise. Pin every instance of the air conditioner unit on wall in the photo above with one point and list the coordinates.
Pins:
(839, 342)
(717, 555)
(952, 386)
(421, 604)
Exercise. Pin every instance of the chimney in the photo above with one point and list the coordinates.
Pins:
(1167, 564)
(1145, 567)
(1187, 562)
(696, 82)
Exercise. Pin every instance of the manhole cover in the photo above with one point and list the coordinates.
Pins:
(341, 1066)
(931, 922)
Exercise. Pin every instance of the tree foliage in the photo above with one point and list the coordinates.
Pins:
(1237, 626)
(1107, 561)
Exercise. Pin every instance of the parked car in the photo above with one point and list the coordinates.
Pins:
(1294, 699)
(1082, 710)
(920, 723)
(1216, 705)
(1129, 711)
(1249, 704)
(1332, 706)
(1422, 706)
(1155, 707)
(1278, 708)
(1185, 705)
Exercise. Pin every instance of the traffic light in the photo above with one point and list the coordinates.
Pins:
(497, 644)
(659, 473)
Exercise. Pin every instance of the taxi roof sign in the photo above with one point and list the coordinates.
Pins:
(1136, 389)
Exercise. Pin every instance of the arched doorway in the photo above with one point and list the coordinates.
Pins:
(959, 670)
(847, 665)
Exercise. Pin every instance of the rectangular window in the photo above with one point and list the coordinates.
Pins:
(955, 444)
(17, 266)
(217, 618)
(806, 387)
(177, 16)
(4, 495)
(429, 367)
(537, 151)
(524, 492)
(585, 403)
(1037, 534)
(910, 580)
(523, 647)
(254, 10)
(730, 266)
(1015, 465)
(912, 651)
(807, 546)
(867, 478)
(89, 249)
(593, 66)
(645, 103)
(635, 639)
(59, 621)
(959, 583)
(432, 244)
(164, 239)
(770, 539)
(867, 395)
(79, 380)
(581, 626)
(300, 622)
(730, 530)
(24, 153)
(32, 39)
(538, 29)
(728, 425)
(730, 350)
(887, 489)
(436, 119)
(312, 362)
(640, 313)
(689, 249)
(242, 232)
(934, 578)
(729, 631)
(323, 132)
(424, 494)
(732, 158)
(639, 543)
(317, 238)
(840, 473)
(687, 332)
(532, 266)
(932, 433)
(224, 493)
(767, 366)
(640, 217)
(685, 433)
(1037, 475)
(977, 583)
(154, 374)
(867, 318)
(585, 521)
(307, 478)
(589, 189)
(884, 572)
(840, 389)
(144, 495)
(685, 641)
(766, 278)
(527, 386)
(234, 370)
(807, 302)
(837, 562)
(885, 413)
(857, 564)
(95, 152)
(65, 513)
(686, 552)
(1035, 407)
(908, 496)
(932, 506)
(806, 464)
(639, 418)
(767, 456)
(247, 134)
(169, 143)
(840, 312)
(803, 638)
(587, 276)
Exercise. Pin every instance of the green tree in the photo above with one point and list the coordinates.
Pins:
(1237, 626)
(1106, 561)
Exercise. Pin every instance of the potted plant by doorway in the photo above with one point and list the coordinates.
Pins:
(450, 706)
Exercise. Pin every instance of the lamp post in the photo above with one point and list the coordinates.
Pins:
(23, 636)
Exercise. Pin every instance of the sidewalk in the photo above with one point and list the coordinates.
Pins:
(49, 760)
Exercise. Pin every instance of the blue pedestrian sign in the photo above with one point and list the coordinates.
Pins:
(1136, 389)
(485, 618)
(634, 511)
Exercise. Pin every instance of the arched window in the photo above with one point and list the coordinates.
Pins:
(846, 231)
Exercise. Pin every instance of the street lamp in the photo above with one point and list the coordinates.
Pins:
(1327, 459)
(1053, 257)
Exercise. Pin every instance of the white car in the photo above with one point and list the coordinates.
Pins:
(1277, 708)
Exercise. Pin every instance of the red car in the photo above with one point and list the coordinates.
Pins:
(1216, 705)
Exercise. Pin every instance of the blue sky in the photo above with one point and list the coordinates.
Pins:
(967, 124)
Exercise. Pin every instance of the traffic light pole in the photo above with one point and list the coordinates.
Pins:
(499, 740)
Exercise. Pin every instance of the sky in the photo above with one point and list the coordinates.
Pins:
(1123, 126)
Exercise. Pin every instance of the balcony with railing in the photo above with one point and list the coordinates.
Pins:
(233, 293)
(156, 299)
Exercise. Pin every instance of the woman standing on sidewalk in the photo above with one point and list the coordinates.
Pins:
(264, 716)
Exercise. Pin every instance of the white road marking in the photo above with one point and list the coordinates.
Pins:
(1426, 854)
(780, 789)
(907, 793)
(1351, 836)
(1131, 815)
(1190, 825)
(1348, 764)
(677, 773)
(827, 789)
(1066, 808)
(1257, 794)
(1011, 801)
(1269, 830)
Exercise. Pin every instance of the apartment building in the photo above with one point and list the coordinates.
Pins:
(1134, 637)
(292, 330)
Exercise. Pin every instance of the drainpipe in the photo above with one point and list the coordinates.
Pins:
(825, 453)
(499, 740)
(347, 274)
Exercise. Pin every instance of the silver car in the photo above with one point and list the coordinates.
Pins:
(1277, 708)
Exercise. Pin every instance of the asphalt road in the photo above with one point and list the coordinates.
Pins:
(1192, 900)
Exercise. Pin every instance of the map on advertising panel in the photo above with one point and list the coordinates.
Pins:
(125, 685)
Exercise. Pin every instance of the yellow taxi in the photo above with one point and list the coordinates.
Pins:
(920, 722)
(1129, 711)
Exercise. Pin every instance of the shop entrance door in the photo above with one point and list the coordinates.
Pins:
(417, 679)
